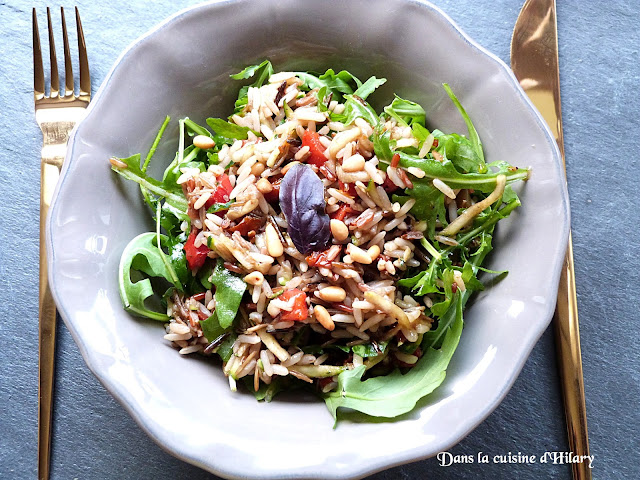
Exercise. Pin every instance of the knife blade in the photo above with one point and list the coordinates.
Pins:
(534, 61)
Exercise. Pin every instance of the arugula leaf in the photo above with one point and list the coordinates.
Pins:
(355, 107)
(368, 350)
(339, 84)
(212, 329)
(142, 255)
(406, 112)
(251, 70)
(225, 350)
(368, 87)
(229, 291)
(194, 129)
(133, 172)
(460, 151)
(394, 394)
(473, 134)
(228, 130)
(218, 207)
(262, 71)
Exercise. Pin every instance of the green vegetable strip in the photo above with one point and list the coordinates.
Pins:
(473, 134)
(172, 274)
(178, 201)
(155, 143)
(197, 129)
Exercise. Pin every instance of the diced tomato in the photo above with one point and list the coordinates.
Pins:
(342, 212)
(248, 223)
(389, 186)
(318, 259)
(316, 149)
(300, 311)
(274, 195)
(221, 194)
(348, 188)
(195, 255)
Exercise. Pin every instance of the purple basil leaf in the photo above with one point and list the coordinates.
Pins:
(302, 201)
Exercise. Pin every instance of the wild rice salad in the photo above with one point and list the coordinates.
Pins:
(308, 240)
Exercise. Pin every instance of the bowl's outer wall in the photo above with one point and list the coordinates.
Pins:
(182, 69)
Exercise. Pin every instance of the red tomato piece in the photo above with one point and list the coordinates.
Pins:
(318, 259)
(247, 224)
(300, 311)
(274, 195)
(221, 194)
(195, 255)
(348, 188)
(316, 149)
(389, 186)
(342, 212)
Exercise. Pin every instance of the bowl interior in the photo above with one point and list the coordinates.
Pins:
(182, 69)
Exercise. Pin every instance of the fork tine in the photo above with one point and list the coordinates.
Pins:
(55, 82)
(38, 70)
(68, 67)
(85, 78)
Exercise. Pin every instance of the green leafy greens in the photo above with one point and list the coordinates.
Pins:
(154, 267)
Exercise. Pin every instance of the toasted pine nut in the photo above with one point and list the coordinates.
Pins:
(359, 255)
(374, 252)
(354, 163)
(274, 245)
(286, 168)
(339, 230)
(323, 317)
(117, 163)
(203, 142)
(264, 185)
(254, 278)
(257, 169)
(332, 294)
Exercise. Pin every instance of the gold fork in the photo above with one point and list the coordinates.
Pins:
(56, 115)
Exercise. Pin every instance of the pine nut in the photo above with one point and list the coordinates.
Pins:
(332, 294)
(257, 169)
(373, 252)
(323, 317)
(254, 278)
(274, 245)
(286, 168)
(358, 255)
(354, 163)
(264, 185)
(339, 230)
(203, 142)
(117, 163)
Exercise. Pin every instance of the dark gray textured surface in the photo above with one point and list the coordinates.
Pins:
(94, 438)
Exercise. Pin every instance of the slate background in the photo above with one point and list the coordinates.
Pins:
(94, 438)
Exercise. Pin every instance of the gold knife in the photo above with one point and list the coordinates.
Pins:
(534, 61)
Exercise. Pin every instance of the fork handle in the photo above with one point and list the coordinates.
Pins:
(49, 174)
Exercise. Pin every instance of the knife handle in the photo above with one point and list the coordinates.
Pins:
(47, 331)
(570, 365)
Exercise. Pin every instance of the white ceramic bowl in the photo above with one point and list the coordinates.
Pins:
(182, 68)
